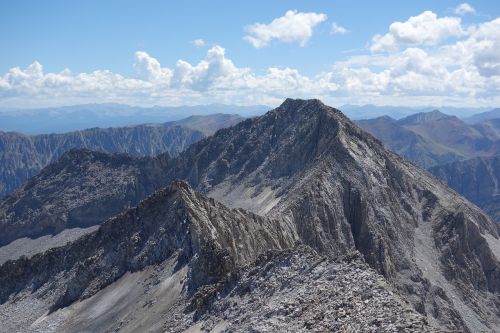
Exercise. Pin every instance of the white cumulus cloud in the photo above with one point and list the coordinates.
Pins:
(480, 50)
(214, 70)
(423, 29)
(148, 68)
(293, 27)
(464, 71)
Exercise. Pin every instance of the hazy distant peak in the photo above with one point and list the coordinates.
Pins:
(385, 118)
(484, 116)
(423, 117)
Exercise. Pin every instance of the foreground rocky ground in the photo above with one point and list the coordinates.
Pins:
(294, 290)
(301, 291)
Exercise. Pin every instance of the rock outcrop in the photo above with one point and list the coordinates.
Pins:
(343, 190)
(211, 240)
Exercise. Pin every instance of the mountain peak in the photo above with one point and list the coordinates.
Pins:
(295, 104)
(423, 117)
(181, 187)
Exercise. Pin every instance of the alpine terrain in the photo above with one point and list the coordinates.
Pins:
(22, 156)
(433, 138)
(297, 220)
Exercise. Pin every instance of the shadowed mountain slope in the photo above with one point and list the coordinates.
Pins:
(81, 189)
(476, 179)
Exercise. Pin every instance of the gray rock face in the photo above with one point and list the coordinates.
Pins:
(476, 179)
(300, 291)
(201, 233)
(313, 177)
(343, 191)
(213, 247)
(81, 189)
(22, 156)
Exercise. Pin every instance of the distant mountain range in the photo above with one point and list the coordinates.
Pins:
(482, 117)
(79, 117)
(22, 156)
(477, 179)
(357, 112)
(265, 213)
(434, 138)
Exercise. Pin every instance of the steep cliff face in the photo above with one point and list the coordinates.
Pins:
(313, 177)
(22, 156)
(476, 179)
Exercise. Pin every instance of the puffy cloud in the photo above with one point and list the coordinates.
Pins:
(198, 42)
(214, 70)
(337, 29)
(423, 29)
(464, 8)
(464, 72)
(148, 68)
(290, 28)
(480, 49)
(32, 83)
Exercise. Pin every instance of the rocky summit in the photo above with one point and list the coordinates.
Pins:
(297, 220)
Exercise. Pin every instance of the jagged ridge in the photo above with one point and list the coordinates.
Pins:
(211, 238)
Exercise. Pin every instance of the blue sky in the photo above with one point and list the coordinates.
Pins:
(94, 45)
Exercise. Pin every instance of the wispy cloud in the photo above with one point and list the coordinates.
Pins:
(337, 29)
(198, 42)
(464, 8)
